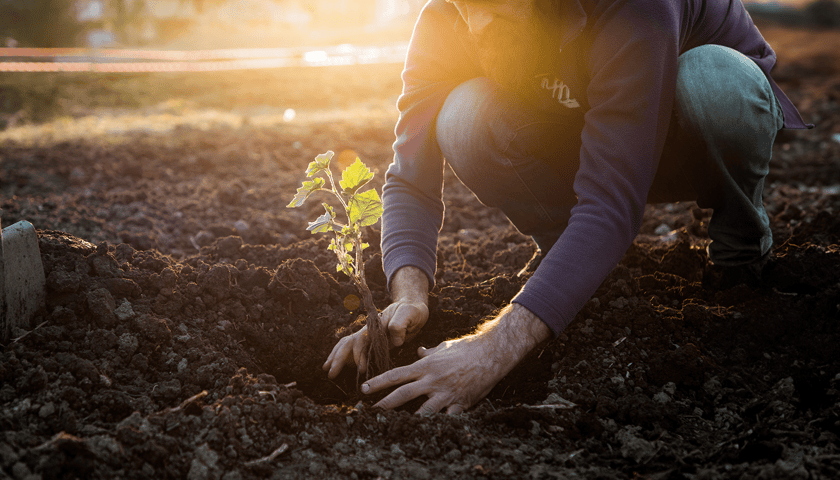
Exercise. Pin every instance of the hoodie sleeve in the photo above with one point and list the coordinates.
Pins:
(632, 68)
(412, 195)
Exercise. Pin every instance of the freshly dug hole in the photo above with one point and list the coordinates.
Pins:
(217, 304)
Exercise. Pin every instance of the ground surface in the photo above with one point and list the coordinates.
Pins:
(188, 312)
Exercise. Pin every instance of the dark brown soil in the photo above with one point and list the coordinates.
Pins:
(188, 314)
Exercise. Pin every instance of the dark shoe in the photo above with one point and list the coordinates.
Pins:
(718, 277)
(532, 264)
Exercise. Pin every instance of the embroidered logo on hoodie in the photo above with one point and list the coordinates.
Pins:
(560, 91)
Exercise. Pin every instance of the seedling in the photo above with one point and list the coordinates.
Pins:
(362, 209)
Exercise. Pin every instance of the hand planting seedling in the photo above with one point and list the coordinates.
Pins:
(362, 209)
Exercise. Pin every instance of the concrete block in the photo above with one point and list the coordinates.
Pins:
(24, 284)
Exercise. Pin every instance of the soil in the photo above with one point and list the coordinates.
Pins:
(188, 314)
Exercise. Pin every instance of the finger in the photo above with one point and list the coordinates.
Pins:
(359, 347)
(402, 395)
(455, 409)
(432, 405)
(385, 316)
(363, 363)
(326, 365)
(390, 378)
(335, 369)
(338, 346)
(341, 354)
(423, 352)
(359, 356)
(331, 357)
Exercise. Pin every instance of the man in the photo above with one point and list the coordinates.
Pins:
(568, 115)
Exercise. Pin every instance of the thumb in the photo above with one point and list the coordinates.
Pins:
(397, 327)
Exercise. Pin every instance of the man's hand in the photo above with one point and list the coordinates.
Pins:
(404, 318)
(458, 373)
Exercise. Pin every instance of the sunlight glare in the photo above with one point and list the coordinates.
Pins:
(316, 56)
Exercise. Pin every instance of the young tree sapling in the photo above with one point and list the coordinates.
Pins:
(362, 209)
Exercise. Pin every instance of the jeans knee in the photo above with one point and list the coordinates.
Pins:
(717, 69)
(722, 96)
(461, 117)
(722, 87)
(468, 129)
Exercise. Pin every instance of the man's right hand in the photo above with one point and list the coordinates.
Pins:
(403, 318)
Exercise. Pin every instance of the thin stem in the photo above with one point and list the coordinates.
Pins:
(335, 192)
(360, 267)
(341, 253)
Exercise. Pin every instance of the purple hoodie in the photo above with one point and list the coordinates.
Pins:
(618, 61)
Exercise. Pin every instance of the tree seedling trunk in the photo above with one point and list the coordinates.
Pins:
(362, 209)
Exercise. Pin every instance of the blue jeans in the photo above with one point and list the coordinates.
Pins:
(717, 152)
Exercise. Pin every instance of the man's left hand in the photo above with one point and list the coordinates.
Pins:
(458, 373)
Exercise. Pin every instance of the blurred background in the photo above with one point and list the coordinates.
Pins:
(259, 23)
(192, 23)
(804, 31)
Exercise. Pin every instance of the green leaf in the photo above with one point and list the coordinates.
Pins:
(304, 191)
(365, 208)
(321, 163)
(339, 268)
(324, 223)
(321, 224)
(355, 176)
